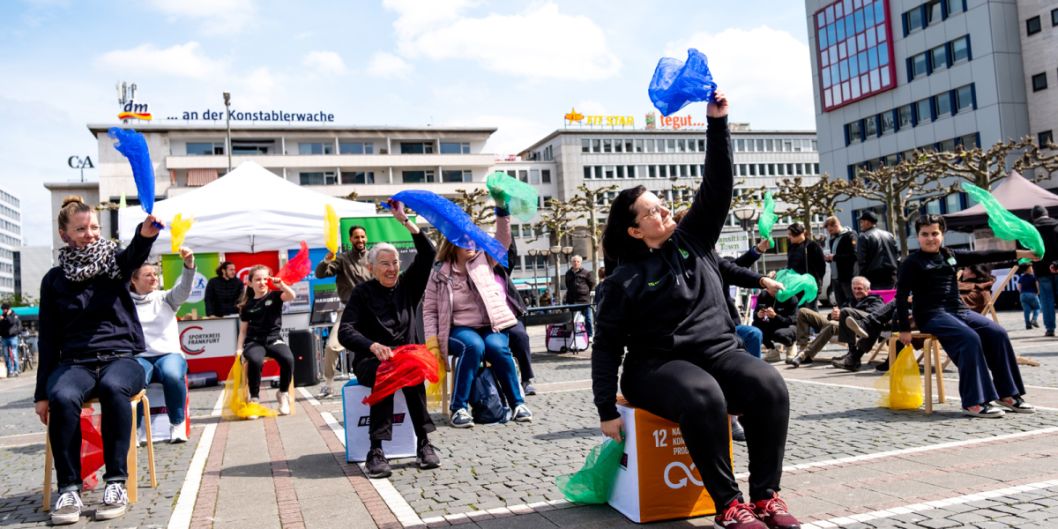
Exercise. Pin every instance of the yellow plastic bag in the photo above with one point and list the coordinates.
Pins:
(331, 237)
(901, 387)
(237, 404)
(179, 228)
(433, 393)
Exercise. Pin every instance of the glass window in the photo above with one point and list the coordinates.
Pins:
(674, 171)
(870, 127)
(956, 6)
(903, 117)
(607, 145)
(760, 144)
(587, 172)
(1039, 82)
(701, 145)
(628, 145)
(740, 145)
(609, 172)
(938, 57)
(923, 112)
(933, 12)
(205, 149)
(960, 49)
(964, 98)
(1033, 25)
(455, 175)
(681, 145)
(919, 65)
(318, 178)
(946, 146)
(1054, 17)
(953, 202)
(356, 148)
(886, 123)
(753, 169)
(1045, 138)
(652, 171)
(942, 103)
(648, 145)
(523, 175)
(670, 145)
(595, 146)
(418, 147)
(639, 146)
(417, 177)
(619, 146)
(358, 177)
(585, 145)
(914, 20)
(316, 148)
(545, 176)
(968, 141)
(455, 148)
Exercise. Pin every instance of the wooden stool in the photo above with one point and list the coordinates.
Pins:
(930, 361)
(133, 460)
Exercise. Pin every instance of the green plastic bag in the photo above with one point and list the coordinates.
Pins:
(519, 197)
(767, 219)
(594, 481)
(794, 283)
(1004, 224)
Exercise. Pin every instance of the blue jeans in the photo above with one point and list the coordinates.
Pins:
(980, 348)
(751, 337)
(1030, 303)
(171, 370)
(589, 320)
(10, 348)
(1047, 286)
(474, 345)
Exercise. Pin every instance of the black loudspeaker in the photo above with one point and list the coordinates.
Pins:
(305, 346)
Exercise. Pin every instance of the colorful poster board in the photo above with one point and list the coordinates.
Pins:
(205, 269)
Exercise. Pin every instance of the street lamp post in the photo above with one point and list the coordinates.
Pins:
(746, 217)
(534, 253)
(555, 251)
(227, 126)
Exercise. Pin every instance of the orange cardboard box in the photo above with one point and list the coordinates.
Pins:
(657, 479)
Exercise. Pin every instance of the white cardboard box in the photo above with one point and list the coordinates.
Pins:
(357, 420)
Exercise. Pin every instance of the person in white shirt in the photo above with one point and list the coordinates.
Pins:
(164, 360)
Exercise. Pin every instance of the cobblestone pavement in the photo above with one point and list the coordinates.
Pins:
(848, 462)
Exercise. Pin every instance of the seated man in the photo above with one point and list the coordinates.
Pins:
(867, 331)
(862, 303)
(776, 320)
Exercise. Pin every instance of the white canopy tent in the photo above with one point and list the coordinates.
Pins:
(247, 210)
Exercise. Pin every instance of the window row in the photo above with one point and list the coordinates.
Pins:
(932, 12)
(531, 176)
(775, 145)
(776, 169)
(10, 226)
(907, 116)
(308, 148)
(608, 172)
(647, 145)
(939, 58)
(9, 198)
(1033, 25)
(968, 141)
(327, 178)
(11, 213)
(1039, 82)
(9, 240)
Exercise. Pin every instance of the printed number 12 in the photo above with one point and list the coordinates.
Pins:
(659, 438)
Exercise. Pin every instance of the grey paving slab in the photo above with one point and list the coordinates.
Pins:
(247, 493)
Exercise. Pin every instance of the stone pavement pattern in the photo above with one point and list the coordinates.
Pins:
(290, 471)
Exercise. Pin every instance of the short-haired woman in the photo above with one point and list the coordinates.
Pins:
(89, 335)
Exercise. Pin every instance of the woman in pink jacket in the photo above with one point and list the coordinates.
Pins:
(466, 314)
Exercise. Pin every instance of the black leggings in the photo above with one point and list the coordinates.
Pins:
(519, 343)
(381, 425)
(255, 354)
(698, 394)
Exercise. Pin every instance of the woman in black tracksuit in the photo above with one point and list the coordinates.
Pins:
(666, 305)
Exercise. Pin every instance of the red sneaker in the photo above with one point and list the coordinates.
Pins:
(738, 515)
(774, 513)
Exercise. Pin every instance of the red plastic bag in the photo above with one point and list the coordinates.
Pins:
(410, 365)
(296, 268)
(91, 448)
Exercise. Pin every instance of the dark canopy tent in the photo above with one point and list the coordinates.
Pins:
(1016, 194)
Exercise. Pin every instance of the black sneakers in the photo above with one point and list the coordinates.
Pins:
(377, 466)
(426, 456)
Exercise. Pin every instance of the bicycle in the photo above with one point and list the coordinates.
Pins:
(25, 356)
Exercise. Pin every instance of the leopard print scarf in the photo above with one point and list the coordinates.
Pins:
(98, 258)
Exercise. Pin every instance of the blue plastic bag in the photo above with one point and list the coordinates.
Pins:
(134, 147)
(452, 222)
(677, 83)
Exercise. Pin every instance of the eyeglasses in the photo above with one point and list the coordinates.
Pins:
(654, 211)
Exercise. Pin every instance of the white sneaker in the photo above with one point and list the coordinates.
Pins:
(253, 417)
(67, 509)
(115, 502)
(284, 402)
(178, 432)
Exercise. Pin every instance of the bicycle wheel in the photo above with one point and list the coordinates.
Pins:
(26, 358)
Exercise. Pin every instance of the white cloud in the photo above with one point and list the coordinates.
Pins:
(327, 62)
(216, 16)
(540, 42)
(388, 66)
(179, 60)
(767, 73)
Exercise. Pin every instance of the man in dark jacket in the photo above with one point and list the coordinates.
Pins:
(10, 328)
(1045, 271)
(863, 303)
(777, 320)
(579, 284)
(805, 256)
(876, 253)
(223, 291)
(841, 254)
(349, 269)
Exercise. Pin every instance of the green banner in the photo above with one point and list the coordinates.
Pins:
(205, 269)
(379, 229)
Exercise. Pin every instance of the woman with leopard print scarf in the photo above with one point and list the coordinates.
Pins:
(89, 334)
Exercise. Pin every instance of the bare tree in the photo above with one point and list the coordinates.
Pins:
(805, 201)
(903, 188)
(984, 167)
(556, 220)
(474, 203)
(592, 202)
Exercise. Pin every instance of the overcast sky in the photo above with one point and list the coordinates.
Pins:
(517, 66)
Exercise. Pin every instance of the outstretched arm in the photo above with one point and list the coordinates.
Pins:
(708, 212)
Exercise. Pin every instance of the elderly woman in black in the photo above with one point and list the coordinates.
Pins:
(379, 316)
(975, 343)
(665, 303)
(89, 336)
